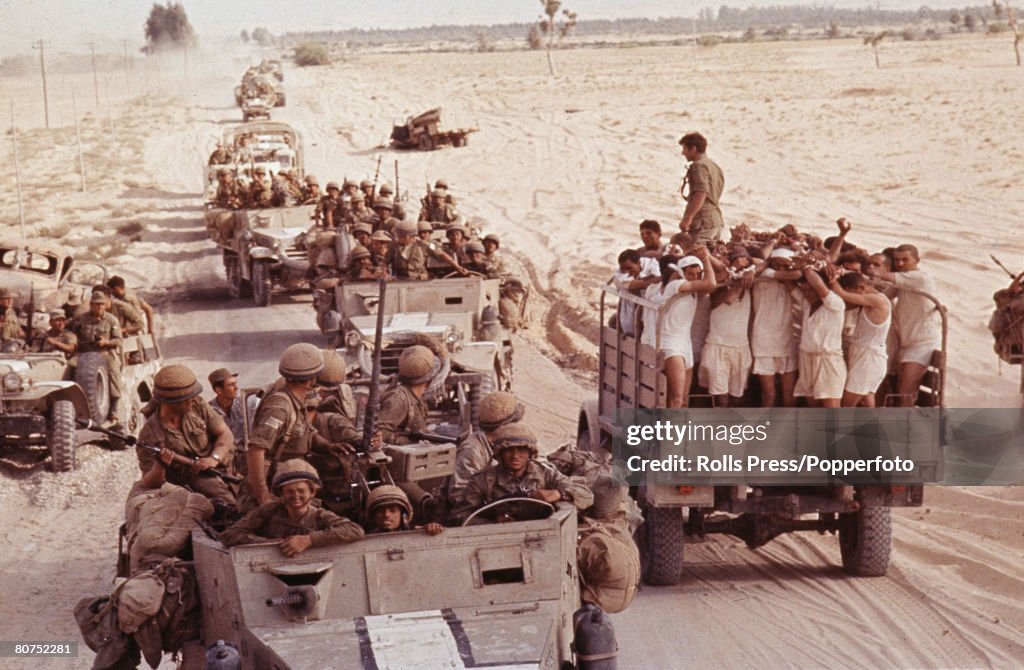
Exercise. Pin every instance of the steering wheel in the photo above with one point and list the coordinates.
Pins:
(519, 509)
(469, 273)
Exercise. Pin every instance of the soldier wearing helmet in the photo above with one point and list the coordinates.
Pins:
(261, 193)
(436, 209)
(230, 194)
(493, 256)
(293, 518)
(336, 412)
(360, 265)
(476, 451)
(366, 186)
(282, 430)
(478, 260)
(424, 231)
(518, 473)
(58, 337)
(388, 510)
(359, 212)
(403, 413)
(99, 330)
(220, 156)
(327, 205)
(184, 424)
(311, 191)
(458, 237)
(406, 257)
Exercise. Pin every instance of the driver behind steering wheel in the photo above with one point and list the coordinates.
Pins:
(519, 473)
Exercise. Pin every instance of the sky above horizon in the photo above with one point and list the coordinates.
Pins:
(69, 24)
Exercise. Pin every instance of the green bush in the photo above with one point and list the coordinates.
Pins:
(997, 27)
(709, 40)
(311, 53)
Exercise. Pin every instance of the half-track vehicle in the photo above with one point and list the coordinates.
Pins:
(45, 276)
(424, 132)
(262, 248)
(477, 596)
(755, 510)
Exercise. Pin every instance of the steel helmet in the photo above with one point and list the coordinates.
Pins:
(499, 408)
(295, 470)
(515, 435)
(301, 362)
(334, 370)
(388, 494)
(416, 365)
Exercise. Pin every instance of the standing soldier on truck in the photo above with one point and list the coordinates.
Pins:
(702, 218)
(97, 330)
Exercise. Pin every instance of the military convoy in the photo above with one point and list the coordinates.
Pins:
(45, 277)
(261, 248)
(262, 88)
(630, 383)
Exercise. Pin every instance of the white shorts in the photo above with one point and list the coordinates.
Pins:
(724, 369)
(920, 353)
(821, 375)
(774, 365)
(687, 356)
(866, 369)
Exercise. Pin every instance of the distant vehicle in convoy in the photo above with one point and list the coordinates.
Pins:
(461, 312)
(424, 132)
(257, 107)
(261, 248)
(629, 378)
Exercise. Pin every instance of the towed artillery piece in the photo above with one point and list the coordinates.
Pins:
(424, 132)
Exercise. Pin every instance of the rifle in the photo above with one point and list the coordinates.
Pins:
(434, 438)
(373, 401)
(376, 175)
(398, 191)
(132, 441)
(1007, 271)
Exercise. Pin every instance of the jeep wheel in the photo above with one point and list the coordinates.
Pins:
(60, 436)
(660, 539)
(94, 378)
(865, 541)
(237, 287)
(261, 284)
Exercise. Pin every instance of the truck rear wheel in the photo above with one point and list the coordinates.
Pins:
(865, 541)
(660, 539)
(261, 284)
(93, 376)
(426, 142)
(61, 436)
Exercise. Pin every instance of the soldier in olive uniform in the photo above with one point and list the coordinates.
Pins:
(478, 260)
(129, 318)
(406, 257)
(362, 232)
(311, 191)
(120, 292)
(230, 195)
(183, 424)
(403, 413)
(475, 451)
(98, 330)
(58, 337)
(360, 213)
(424, 231)
(492, 255)
(437, 210)
(382, 208)
(282, 429)
(10, 328)
(456, 245)
(366, 186)
(327, 205)
(518, 473)
(220, 156)
(379, 244)
(702, 218)
(294, 519)
(261, 193)
(360, 265)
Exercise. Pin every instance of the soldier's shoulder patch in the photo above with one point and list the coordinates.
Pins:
(273, 422)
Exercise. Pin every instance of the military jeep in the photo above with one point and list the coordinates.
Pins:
(461, 312)
(38, 406)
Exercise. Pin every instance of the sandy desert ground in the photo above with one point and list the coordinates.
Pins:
(925, 150)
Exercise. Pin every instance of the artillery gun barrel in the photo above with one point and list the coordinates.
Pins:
(289, 599)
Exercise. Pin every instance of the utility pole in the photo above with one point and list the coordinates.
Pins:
(78, 135)
(17, 174)
(42, 65)
(95, 81)
(127, 85)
